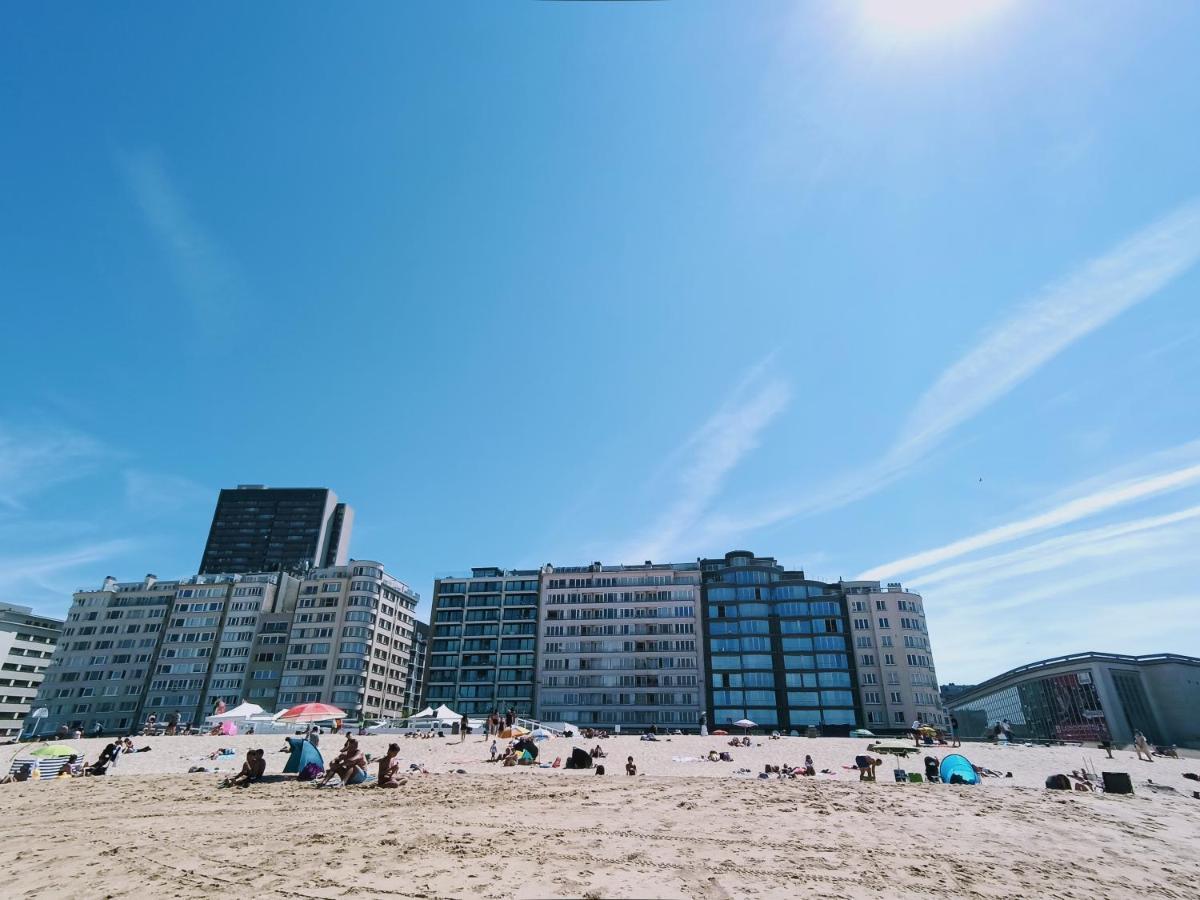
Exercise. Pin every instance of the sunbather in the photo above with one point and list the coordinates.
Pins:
(350, 765)
(389, 766)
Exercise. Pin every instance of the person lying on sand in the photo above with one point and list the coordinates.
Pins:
(389, 766)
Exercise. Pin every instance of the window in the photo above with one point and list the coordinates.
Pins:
(867, 659)
(889, 659)
(862, 624)
(895, 697)
(881, 605)
(883, 622)
(871, 697)
(898, 717)
(870, 678)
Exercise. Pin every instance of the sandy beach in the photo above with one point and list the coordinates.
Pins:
(684, 829)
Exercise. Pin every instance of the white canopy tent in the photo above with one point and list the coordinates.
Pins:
(241, 711)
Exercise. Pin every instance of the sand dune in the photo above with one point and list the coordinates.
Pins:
(552, 833)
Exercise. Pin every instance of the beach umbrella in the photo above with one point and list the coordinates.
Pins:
(55, 750)
(311, 712)
(541, 734)
(745, 723)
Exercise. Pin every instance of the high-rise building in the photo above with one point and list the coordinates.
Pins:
(618, 646)
(262, 529)
(483, 634)
(778, 648)
(339, 634)
(415, 684)
(27, 643)
(897, 681)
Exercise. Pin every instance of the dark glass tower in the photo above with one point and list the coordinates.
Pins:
(778, 647)
(262, 529)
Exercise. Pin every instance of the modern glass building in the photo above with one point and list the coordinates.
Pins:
(262, 529)
(482, 642)
(1088, 697)
(777, 645)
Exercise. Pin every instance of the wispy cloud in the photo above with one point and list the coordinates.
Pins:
(706, 458)
(205, 272)
(33, 459)
(1080, 507)
(1118, 540)
(46, 577)
(150, 492)
(1041, 328)
(1060, 315)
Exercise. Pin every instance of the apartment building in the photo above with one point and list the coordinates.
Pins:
(414, 688)
(778, 647)
(27, 643)
(897, 681)
(483, 633)
(350, 642)
(340, 635)
(619, 646)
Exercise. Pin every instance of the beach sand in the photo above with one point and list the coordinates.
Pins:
(684, 829)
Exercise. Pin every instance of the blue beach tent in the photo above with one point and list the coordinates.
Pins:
(957, 764)
(303, 753)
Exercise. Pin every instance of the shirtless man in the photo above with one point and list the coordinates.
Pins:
(388, 767)
(350, 765)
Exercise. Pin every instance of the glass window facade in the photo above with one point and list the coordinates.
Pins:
(1062, 707)
(776, 647)
(481, 660)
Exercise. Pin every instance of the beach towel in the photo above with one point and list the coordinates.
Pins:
(957, 769)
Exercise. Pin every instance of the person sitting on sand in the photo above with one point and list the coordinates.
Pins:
(810, 768)
(734, 742)
(746, 741)
(350, 765)
(389, 766)
(714, 756)
(251, 770)
(630, 768)
(24, 773)
(598, 753)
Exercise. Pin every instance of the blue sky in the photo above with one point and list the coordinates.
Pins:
(536, 282)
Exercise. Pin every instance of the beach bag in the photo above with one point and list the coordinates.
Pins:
(309, 772)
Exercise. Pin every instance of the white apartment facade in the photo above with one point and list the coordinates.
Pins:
(621, 646)
(897, 681)
(340, 635)
(27, 643)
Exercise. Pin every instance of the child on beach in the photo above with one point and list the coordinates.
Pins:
(495, 751)
(630, 768)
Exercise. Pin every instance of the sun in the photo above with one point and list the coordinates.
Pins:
(913, 21)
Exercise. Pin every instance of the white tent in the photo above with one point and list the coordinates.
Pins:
(426, 713)
(445, 714)
(241, 711)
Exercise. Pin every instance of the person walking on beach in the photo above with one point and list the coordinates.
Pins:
(1142, 747)
(463, 727)
(509, 717)
(954, 741)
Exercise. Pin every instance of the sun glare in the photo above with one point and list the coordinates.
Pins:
(910, 21)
